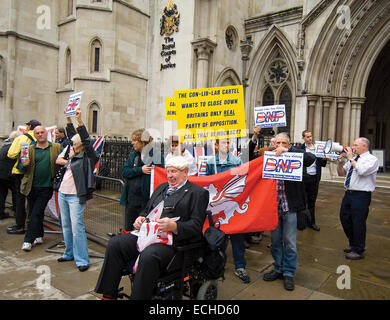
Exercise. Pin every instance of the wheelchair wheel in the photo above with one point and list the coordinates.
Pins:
(208, 291)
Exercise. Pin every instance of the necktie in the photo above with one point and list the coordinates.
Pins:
(171, 191)
(349, 175)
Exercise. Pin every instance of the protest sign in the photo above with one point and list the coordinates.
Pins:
(170, 108)
(270, 116)
(24, 150)
(210, 113)
(320, 151)
(287, 166)
(202, 162)
(73, 104)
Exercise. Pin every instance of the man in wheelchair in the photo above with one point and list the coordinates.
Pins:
(182, 199)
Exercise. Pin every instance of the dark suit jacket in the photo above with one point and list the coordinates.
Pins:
(295, 190)
(319, 163)
(189, 203)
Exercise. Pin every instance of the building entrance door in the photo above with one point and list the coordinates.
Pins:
(376, 110)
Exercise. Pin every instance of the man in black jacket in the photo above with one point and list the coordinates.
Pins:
(291, 199)
(311, 177)
(6, 182)
(182, 199)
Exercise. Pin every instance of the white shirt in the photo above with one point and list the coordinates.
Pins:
(192, 169)
(364, 174)
(312, 169)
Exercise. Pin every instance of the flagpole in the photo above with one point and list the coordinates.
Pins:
(215, 158)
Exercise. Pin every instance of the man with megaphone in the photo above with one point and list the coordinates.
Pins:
(360, 171)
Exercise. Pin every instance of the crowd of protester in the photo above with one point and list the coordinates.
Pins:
(29, 176)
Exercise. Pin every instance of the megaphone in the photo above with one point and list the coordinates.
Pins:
(331, 146)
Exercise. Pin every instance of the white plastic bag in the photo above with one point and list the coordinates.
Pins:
(148, 233)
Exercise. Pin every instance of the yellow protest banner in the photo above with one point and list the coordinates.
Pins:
(170, 108)
(210, 113)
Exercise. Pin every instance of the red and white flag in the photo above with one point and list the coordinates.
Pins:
(240, 198)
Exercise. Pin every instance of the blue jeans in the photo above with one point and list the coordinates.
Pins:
(284, 245)
(73, 229)
(238, 249)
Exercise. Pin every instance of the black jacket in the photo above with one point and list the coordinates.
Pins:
(189, 203)
(295, 190)
(6, 163)
(319, 163)
(82, 165)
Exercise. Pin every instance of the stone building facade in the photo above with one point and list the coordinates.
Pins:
(326, 60)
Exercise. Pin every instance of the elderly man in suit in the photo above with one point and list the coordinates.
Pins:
(181, 199)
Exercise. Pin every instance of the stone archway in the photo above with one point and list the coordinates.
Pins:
(228, 77)
(339, 67)
(375, 113)
(275, 47)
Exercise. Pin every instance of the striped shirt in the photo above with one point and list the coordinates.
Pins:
(281, 197)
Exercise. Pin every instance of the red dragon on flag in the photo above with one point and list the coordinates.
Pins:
(240, 198)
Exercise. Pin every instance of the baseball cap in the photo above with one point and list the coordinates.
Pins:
(33, 123)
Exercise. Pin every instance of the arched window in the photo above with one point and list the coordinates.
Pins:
(277, 84)
(96, 56)
(68, 66)
(93, 119)
(268, 97)
(286, 99)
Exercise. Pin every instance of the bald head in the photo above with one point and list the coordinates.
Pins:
(40, 133)
(361, 145)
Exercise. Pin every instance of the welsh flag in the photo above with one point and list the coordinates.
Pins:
(240, 198)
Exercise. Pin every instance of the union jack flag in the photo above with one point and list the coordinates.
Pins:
(98, 147)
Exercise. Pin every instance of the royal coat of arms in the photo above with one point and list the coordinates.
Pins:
(170, 19)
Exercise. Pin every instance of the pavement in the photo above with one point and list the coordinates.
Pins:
(323, 272)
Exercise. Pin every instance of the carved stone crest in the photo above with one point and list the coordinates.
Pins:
(170, 19)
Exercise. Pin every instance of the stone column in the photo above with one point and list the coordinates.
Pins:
(326, 132)
(9, 117)
(246, 47)
(311, 101)
(317, 131)
(356, 106)
(203, 49)
(341, 102)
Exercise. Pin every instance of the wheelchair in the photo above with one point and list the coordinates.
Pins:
(182, 277)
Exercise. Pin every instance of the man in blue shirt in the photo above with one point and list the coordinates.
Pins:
(225, 160)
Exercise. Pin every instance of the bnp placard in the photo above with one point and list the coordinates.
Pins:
(287, 166)
(270, 116)
(209, 113)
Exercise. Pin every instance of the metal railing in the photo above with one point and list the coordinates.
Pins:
(104, 215)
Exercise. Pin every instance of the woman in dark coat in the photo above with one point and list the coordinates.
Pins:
(136, 173)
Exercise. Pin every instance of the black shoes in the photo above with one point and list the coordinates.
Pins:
(348, 249)
(15, 229)
(62, 259)
(83, 268)
(315, 227)
(272, 276)
(354, 256)
(288, 281)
